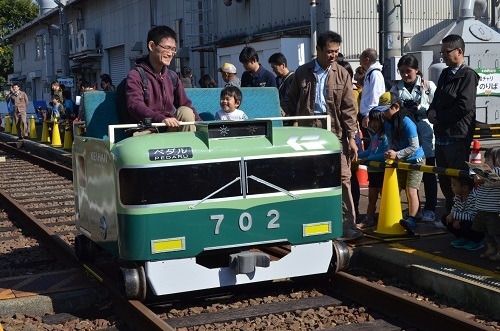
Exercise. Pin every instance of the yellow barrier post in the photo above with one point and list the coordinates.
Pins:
(390, 205)
(68, 139)
(56, 136)
(45, 132)
(33, 134)
(14, 128)
(8, 126)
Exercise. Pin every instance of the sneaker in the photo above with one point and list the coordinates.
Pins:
(460, 243)
(473, 246)
(368, 222)
(439, 225)
(409, 225)
(418, 216)
(428, 216)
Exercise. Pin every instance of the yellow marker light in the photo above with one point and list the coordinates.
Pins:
(316, 229)
(168, 245)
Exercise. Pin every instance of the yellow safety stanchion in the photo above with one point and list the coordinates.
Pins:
(33, 134)
(45, 132)
(68, 139)
(8, 126)
(56, 136)
(390, 205)
(14, 128)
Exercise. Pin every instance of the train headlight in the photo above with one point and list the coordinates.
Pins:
(316, 229)
(168, 245)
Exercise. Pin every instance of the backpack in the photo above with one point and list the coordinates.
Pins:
(121, 99)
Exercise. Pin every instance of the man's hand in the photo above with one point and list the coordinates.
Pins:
(171, 122)
(353, 149)
(365, 122)
(431, 116)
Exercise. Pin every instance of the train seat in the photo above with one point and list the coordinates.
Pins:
(100, 106)
(257, 102)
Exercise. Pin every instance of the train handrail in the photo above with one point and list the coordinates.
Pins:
(112, 128)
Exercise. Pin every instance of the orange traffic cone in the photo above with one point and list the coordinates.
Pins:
(362, 175)
(475, 155)
(390, 204)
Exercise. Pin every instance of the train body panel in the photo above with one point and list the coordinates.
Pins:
(164, 200)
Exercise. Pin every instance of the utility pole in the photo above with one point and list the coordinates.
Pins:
(64, 37)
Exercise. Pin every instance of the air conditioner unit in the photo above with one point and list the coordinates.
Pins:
(86, 40)
(73, 44)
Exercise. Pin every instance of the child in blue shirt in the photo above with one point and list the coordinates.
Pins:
(404, 146)
(376, 151)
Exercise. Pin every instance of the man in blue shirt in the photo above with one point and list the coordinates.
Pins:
(255, 75)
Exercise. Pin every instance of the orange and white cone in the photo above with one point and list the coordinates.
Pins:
(475, 155)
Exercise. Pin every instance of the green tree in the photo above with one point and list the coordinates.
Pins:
(13, 15)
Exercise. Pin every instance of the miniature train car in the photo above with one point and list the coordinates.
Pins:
(232, 203)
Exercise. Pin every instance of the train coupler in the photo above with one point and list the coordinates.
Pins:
(245, 262)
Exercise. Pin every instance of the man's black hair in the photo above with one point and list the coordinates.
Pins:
(160, 32)
(454, 41)
(277, 58)
(328, 37)
(248, 54)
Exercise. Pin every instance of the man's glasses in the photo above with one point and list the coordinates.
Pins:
(448, 52)
(171, 50)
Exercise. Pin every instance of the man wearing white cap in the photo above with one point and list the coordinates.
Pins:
(228, 71)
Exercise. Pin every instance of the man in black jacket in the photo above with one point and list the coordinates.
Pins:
(453, 111)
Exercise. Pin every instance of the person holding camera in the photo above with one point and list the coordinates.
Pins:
(416, 95)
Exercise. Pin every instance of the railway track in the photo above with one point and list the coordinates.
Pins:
(25, 185)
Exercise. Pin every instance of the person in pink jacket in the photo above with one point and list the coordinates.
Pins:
(165, 102)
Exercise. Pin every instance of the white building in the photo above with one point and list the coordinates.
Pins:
(106, 36)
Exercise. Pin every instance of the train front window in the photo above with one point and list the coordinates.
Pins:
(193, 182)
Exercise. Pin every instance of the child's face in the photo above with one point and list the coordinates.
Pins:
(457, 188)
(228, 103)
(393, 110)
(374, 125)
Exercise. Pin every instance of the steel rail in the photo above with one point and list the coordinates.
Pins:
(407, 309)
(134, 313)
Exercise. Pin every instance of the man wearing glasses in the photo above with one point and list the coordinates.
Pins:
(453, 111)
(164, 101)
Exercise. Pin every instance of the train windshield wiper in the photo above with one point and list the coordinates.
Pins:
(257, 179)
(215, 192)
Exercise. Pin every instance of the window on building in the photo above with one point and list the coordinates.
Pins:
(21, 52)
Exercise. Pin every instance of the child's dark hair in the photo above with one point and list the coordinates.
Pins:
(375, 115)
(469, 182)
(493, 154)
(232, 91)
(397, 120)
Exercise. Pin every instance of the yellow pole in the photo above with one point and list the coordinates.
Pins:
(33, 134)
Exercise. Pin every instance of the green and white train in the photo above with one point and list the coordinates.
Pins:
(187, 211)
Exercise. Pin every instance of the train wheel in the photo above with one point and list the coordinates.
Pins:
(342, 256)
(132, 283)
(85, 248)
